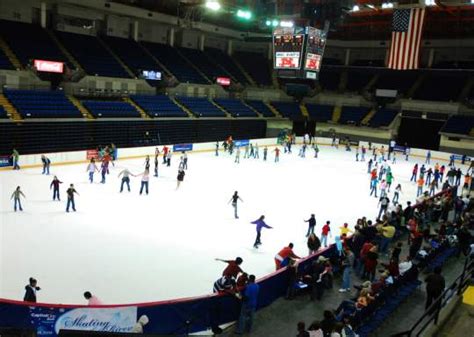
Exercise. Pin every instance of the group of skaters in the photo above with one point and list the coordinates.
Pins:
(100, 164)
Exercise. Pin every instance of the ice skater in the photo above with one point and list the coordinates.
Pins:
(55, 186)
(125, 174)
(311, 225)
(15, 158)
(165, 153)
(70, 198)
(265, 153)
(325, 232)
(414, 173)
(156, 164)
(428, 157)
(357, 153)
(373, 187)
(396, 194)
(316, 150)
(147, 162)
(234, 199)
(362, 152)
(185, 161)
(46, 164)
(369, 165)
(217, 149)
(260, 224)
(302, 153)
(104, 169)
(252, 151)
(407, 153)
(92, 168)
(145, 181)
(277, 155)
(168, 158)
(246, 153)
(16, 196)
(180, 177)
(237, 156)
(256, 154)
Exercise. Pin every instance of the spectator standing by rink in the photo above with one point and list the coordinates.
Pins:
(55, 186)
(435, 285)
(46, 164)
(347, 263)
(70, 198)
(30, 290)
(91, 299)
(281, 259)
(235, 199)
(260, 224)
(15, 158)
(92, 168)
(311, 224)
(249, 306)
(16, 196)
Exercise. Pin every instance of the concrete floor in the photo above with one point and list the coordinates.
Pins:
(460, 323)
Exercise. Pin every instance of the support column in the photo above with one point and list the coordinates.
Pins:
(431, 57)
(229, 47)
(171, 34)
(135, 30)
(202, 42)
(347, 57)
(43, 14)
(270, 51)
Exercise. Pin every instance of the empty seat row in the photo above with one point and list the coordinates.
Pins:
(3, 113)
(261, 107)
(159, 106)
(320, 112)
(383, 117)
(459, 125)
(352, 114)
(236, 107)
(201, 107)
(110, 109)
(5, 62)
(288, 109)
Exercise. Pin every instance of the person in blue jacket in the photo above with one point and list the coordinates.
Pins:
(249, 305)
(260, 224)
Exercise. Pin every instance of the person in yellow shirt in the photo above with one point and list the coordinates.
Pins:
(388, 232)
(345, 230)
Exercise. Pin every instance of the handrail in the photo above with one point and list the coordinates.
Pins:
(432, 312)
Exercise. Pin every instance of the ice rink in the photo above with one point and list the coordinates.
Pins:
(127, 248)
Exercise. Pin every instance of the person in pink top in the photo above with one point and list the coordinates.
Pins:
(91, 299)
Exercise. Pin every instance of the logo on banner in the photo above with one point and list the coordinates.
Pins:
(97, 319)
(182, 147)
(5, 161)
(240, 143)
(92, 154)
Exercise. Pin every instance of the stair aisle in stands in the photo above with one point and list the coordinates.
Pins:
(336, 114)
(10, 54)
(9, 108)
(272, 109)
(86, 113)
(116, 57)
(142, 112)
(64, 50)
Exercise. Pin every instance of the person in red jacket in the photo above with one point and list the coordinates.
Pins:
(277, 155)
(286, 252)
(165, 154)
(326, 230)
(233, 267)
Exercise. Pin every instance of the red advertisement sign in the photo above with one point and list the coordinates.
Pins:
(92, 154)
(49, 66)
(224, 81)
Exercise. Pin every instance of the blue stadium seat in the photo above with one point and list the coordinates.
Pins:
(383, 117)
(92, 55)
(320, 112)
(256, 66)
(228, 63)
(441, 86)
(200, 60)
(201, 107)
(42, 104)
(261, 107)
(30, 42)
(3, 113)
(175, 63)
(110, 109)
(352, 114)
(288, 109)
(461, 125)
(236, 108)
(5, 62)
(159, 106)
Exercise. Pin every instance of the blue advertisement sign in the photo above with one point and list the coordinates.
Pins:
(399, 148)
(240, 143)
(5, 161)
(460, 157)
(182, 147)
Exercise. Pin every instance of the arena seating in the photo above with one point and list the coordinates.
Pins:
(110, 109)
(42, 104)
(441, 86)
(320, 113)
(383, 117)
(92, 55)
(461, 125)
(330, 78)
(288, 109)
(256, 65)
(352, 114)
(199, 59)
(261, 108)
(201, 107)
(158, 106)
(397, 80)
(357, 79)
(227, 62)
(175, 63)
(30, 42)
(3, 113)
(132, 54)
(236, 108)
(5, 62)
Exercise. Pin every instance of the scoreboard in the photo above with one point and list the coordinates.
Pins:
(298, 52)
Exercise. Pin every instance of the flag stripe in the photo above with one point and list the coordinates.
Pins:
(407, 29)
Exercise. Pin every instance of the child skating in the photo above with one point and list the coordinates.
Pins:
(55, 186)
(70, 198)
(180, 178)
(260, 224)
(16, 196)
(92, 168)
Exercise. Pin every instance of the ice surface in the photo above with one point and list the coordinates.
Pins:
(127, 248)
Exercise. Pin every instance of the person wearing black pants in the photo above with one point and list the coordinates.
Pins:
(55, 186)
(311, 224)
(435, 284)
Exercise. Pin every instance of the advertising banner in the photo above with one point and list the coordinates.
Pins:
(92, 154)
(182, 147)
(49, 321)
(460, 157)
(240, 143)
(5, 161)
(399, 148)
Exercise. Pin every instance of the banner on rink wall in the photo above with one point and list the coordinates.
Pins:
(399, 148)
(240, 143)
(92, 154)
(5, 161)
(460, 157)
(49, 321)
(182, 147)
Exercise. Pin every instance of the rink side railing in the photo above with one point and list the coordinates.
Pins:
(174, 317)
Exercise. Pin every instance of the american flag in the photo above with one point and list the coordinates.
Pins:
(407, 27)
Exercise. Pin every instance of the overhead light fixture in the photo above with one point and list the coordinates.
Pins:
(387, 5)
(243, 14)
(355, 8)
(287, 24)
(275, 23)
(268, 23)
(371, 6)
(213, 5)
